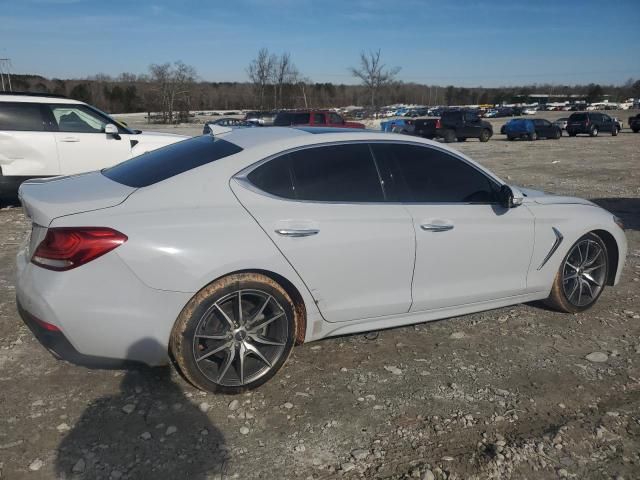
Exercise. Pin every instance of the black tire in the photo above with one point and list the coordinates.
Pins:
(462, 139)
(558, 299)
(485, 135)
(635, 130)
(558, 134)
(449, 136)
(593, 132)
(614, 132)
(510, 138)
(533, 136)
(572, 134)
(204, 315)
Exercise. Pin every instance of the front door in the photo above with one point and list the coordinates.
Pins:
(82, 144)
(468, 247)
(323, 207)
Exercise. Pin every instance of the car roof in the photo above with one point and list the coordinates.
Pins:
(36, 98)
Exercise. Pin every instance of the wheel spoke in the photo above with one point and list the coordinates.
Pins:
(212, 337)
(264, 322)
(226, 317)
(252, 350)
(586, 284)
(571, 266)
(240, 307)
(575, 288)
(227, 363)
(579, 291)
(264, 340)
(213, 352)
(591, 279)
(571, 277)
(591, 269)
(259, 312)
(588, 263)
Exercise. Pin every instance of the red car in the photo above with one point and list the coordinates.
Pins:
(313, 118)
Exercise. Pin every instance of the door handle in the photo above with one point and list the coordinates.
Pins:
(285, 232)
(430, 227)
(70, 139)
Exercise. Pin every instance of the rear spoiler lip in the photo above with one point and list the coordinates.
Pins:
(33, 207)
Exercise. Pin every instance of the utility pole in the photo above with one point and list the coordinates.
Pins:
(5, 70)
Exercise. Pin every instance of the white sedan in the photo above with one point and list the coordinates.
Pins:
(222, 252)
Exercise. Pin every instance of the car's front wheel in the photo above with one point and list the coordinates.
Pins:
(594, 132)
(234, 334)
(582, 275)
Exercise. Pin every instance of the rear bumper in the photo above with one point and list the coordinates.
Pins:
(104, 313)
(60, 347)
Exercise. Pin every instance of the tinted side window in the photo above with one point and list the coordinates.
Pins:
(166, 162)
(19, 116)
(274, 177)
(318, 119)
(335, 118)
(337, 173)
(423, 174)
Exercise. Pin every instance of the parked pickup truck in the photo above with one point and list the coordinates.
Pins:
(313, 118)
(454, 125)
(634, 123)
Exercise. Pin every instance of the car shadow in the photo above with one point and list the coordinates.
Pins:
(149, 429)
(628, 209)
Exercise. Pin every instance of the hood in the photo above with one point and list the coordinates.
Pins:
(46, 199)
(538, 196)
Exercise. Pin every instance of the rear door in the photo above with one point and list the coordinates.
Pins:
(82, 144)
(469, 248)
(324, 209)
(27, 147)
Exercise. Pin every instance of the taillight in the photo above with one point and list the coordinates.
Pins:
(65, 248)
(438, 124)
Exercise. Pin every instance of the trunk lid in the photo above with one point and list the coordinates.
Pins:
(49, 198)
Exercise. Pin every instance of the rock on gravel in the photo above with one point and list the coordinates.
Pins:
(457, 335)
(36, 465)
(244, 430)
(128, 408)
(597, 357)
(428, 475)
(79, 466)
(393, 369)
(233, 405)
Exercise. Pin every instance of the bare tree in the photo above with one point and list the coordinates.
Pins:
(260, 72)
(171, 85)
(373, 73)
(284, 73)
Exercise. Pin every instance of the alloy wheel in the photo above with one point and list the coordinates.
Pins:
(240, 337)
(584, 272)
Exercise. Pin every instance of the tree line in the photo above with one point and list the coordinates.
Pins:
(169, 91)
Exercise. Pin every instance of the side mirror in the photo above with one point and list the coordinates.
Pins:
(111, 129)
(510, 197)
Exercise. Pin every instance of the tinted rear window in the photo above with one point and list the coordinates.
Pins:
(166, 162)
(286, 119)
(578, 117)
(20, 116)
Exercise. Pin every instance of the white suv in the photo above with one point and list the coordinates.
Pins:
(48, 135)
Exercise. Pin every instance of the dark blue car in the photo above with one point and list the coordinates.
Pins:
(531, 129)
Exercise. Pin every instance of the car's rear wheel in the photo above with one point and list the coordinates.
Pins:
(509, 137)
(234, 334)
(594, 132)
(485, 135)
(533, 136)
(462, 139)
(572, 134)
(558, 134)
(582, 275)
(614, 132)
(449, 136)
(635, 130)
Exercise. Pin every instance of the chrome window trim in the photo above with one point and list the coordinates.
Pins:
(241, 177)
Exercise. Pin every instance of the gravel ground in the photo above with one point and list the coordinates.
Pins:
(509, 393)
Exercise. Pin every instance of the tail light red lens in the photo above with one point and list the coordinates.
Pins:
(438, 124)
(69, 247)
